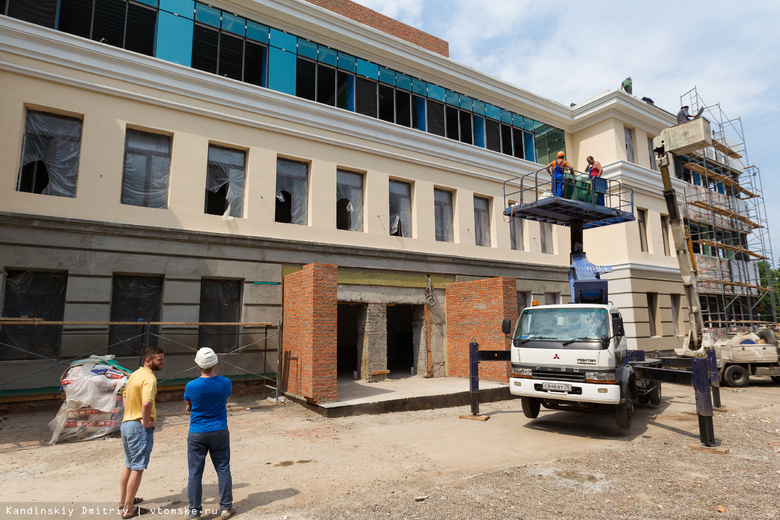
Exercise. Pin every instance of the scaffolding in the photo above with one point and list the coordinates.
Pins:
(727, 226)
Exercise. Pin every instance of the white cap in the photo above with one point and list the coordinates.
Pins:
(206, 358)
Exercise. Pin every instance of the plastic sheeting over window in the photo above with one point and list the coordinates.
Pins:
(482, 221)
(138, 299)
(349, 201)
(225, 178)
(50, 155)
(147, 168)
(32, 294)
(442, 207)
(292, 191)
(220, 301)
(400, 209)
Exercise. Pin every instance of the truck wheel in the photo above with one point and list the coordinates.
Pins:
(623, 415)
(655, 394)
(768, 336)
(531, 407)
(736, 375)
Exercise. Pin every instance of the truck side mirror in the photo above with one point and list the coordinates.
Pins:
(506, 326)
(604, 341)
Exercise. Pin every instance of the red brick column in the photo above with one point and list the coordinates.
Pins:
(474, 313)
(308, 367)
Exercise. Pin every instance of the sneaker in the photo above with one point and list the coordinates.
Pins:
(192, 515)
(227, 513)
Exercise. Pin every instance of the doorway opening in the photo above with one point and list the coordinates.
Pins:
(349, 333)
(403, 339)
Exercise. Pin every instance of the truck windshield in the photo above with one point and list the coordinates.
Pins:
(561, 325)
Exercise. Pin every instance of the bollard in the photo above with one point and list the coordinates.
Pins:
(701, 387)
(474, 376)
(714, 379)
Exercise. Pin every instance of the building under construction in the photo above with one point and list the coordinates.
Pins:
(726, 223)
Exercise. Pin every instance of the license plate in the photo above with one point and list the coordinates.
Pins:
(557, 387)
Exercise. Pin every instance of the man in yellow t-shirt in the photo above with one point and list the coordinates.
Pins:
(138, 429)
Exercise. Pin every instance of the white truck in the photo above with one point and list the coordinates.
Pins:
(576, 356)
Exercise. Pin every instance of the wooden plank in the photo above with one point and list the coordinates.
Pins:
(475, 417)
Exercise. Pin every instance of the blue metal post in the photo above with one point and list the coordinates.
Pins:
(474, 376)
(714, 379)
(701, 386)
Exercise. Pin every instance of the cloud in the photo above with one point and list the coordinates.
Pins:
(571, 51)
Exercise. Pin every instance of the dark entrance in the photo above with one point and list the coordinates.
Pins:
(349, 317)
(400, 340)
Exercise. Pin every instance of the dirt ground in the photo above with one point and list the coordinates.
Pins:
(289, 462)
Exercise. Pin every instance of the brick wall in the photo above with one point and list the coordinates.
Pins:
(385, 24)
(309, 337)
(475, 310)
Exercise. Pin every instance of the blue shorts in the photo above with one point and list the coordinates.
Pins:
(138, 442)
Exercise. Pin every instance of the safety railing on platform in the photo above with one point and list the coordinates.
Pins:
(225, 338)
(580, 187)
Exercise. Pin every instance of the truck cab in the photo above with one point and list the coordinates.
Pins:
(574, 356)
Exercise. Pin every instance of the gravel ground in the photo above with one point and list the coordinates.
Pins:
(655, 477)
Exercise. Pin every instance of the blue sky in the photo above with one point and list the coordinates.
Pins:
(572, 51)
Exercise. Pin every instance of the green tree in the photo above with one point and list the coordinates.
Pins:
(767, 304)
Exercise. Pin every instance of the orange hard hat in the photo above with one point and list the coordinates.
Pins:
(561, 154)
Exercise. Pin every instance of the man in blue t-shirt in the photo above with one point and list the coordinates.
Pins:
(207, 397)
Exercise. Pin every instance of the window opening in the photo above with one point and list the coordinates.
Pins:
(435, 113)
(665, 234)
(220, 301)
(386, 103)
(146, 169)
(349, 201)
(403, 108)
(629, 145)
(292, 191)
(545, 234)
(39, 12)
(326, 85)
(652, 313)
(493, 135)
(443, 212)
(32, 294)
(306, 79)
(517, 233)
(517, 139)
(676, 313)
(134, 299)
(366, 97)
(452, 125)
(651, 154)
(482, 221)
(119, 23)
(50, 155)
(506, 140)
(400, 209)
(641, 220)
(225, 177)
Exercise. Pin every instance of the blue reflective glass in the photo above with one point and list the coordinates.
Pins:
(528, 124)
(387, 76)
(234, 24)
(465, 102)
(153, 3)
(517, 120)
(185, 8)
(347, 62)
(506, 116)
(492, 112)
(284, 41)
(307, 49)
(451, 98)
(327, 56)
(479, 107)
(435, 92)
(479, 131)
(257, 32)
(367, 69)
(419, 87)
(207, 14)
(403, 81)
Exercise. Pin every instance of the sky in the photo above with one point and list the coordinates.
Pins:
(570, 51)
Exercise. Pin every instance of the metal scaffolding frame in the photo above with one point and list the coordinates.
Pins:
(727, 224)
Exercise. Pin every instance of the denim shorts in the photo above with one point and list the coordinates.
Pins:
(138, 442)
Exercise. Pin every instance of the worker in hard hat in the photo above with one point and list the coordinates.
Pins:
(207, 398)
(556, 169)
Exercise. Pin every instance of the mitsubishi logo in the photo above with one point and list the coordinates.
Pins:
(556, 356)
